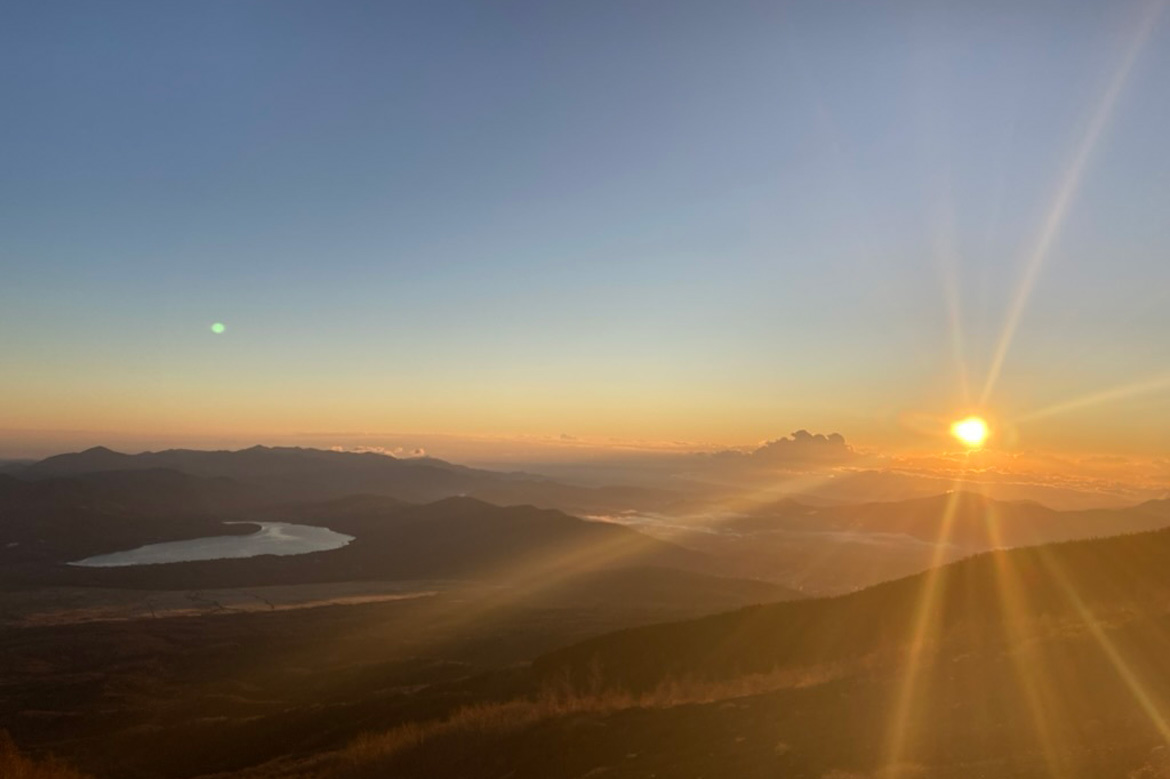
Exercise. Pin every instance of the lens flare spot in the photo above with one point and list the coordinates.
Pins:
(972, 431)
(218, 328)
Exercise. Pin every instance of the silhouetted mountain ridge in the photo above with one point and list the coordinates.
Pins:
(297, 473)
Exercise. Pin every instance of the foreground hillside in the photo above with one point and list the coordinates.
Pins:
(213, 688)
(14, 765)
(982, 598)
(1037, 662)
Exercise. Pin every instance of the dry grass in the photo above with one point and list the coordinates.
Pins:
(478, 724)
(14, 765)
(1157, 767)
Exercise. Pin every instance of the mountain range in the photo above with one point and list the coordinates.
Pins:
(100, 501)
(552, 659)
(289, 474)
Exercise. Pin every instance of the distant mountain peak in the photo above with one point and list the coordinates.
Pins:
(102, 450)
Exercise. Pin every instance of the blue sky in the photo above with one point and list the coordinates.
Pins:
(726, 220)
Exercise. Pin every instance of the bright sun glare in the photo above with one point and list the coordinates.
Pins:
(972, 431)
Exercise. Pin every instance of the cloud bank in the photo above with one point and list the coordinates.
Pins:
(803, 449)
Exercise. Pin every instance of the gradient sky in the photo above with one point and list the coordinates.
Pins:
(645, 220)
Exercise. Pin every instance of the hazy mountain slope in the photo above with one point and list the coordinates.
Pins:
(604, 587)
(833, 549)
(985, 594)
(14, 466)
(964, 519)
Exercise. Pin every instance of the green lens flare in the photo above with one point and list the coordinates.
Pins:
(218, 328)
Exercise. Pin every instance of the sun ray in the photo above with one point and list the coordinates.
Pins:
(514, 583)
(787, 484)
(1159, 382)
(1114, 655)
(1066, 192)
(949, 261)
(955, 328)
(924, 619)
(1033, 679)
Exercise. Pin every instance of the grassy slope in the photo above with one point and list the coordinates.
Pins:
(182, 696)
(1038, 662)
(14, 765)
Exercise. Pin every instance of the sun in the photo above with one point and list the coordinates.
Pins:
(972, 431)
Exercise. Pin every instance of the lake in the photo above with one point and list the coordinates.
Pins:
(275, 538)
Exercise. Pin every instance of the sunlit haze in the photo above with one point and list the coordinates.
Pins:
(693, 227)
(434, 389)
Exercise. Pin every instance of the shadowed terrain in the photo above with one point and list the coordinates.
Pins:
(460, 638)
(1037, 662)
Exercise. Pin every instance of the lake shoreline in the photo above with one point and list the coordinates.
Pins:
(282, 539)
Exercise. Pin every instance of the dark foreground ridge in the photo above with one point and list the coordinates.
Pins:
(1002, 665)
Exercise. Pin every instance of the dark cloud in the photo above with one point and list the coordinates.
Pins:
(802, 448)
